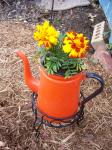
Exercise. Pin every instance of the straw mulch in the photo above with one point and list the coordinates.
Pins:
(16, 118)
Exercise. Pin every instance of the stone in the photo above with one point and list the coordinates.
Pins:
(63, 4)
(2, 144)
(108, 62)
(103, 57)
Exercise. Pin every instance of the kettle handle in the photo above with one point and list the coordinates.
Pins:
(98, 91)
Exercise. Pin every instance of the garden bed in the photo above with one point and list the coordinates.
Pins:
(16, 118)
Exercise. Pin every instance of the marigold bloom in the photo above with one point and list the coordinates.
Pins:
(76, 45)
(46, 35)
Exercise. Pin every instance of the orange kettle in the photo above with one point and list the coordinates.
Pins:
(58, 97)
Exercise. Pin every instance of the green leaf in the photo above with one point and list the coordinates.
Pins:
(55, 68)
(57, 21)
(61, 36)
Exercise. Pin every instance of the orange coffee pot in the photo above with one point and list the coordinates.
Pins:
(58, 97)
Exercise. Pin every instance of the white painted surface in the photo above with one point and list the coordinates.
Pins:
(97, 37)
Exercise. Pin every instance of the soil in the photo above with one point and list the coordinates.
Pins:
(16, 118)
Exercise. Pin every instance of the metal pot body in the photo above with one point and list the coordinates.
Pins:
(59, 97)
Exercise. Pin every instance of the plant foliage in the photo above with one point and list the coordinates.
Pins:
(59, 53)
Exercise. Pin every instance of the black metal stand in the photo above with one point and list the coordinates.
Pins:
(55, 122)
(62, 122)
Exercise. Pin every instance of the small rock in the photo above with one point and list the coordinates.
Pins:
(108, 62)
(104, 57)
(92, 16)
(12, 14)
(2, 144)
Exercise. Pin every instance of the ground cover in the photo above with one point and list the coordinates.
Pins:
(16, 118)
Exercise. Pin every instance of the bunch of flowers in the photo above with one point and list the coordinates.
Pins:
(60, 53)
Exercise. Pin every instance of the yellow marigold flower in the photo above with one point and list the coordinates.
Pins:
(76, 45)
(46, 35)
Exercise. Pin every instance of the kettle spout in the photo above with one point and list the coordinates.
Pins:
(30, 81)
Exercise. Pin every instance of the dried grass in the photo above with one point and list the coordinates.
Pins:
(16, 118)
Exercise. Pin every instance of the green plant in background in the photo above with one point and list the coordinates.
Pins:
(109, 48)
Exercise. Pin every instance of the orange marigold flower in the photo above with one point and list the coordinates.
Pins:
(76, 45)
